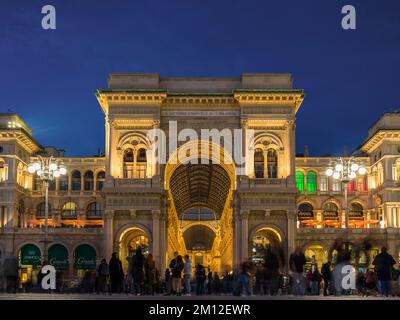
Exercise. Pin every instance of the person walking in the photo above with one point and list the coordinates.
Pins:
(103, 272)
(315, 281)
(177, 275)
(297, 261)
(271, 275)
(137, 271)
(200, 279)
(150, 274)
(243, 279)
(187, 275)
(384, 263)
(116, 273)
(326, 276)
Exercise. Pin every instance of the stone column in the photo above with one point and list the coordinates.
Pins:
(236, 241)
(244, 215)
(291, 234)
(108, 129)
(163, 241)
(156, 235)
(108, 234)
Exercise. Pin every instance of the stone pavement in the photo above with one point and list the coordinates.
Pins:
(56, 296)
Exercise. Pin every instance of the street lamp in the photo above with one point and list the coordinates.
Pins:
(47, 170)
(345, 170)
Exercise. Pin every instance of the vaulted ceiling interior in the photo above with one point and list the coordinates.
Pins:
(197, 185)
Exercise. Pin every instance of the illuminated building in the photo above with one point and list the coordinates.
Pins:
(218, 214)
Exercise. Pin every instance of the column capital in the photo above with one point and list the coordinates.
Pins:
(108, 214)
(244, 214)
(132, 213)
(156, 213)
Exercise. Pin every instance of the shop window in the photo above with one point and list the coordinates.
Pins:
(94, 210)
(69, 209)
(41, 210)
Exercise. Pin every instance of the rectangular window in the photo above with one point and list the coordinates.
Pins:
(336, 186)
(323, 184)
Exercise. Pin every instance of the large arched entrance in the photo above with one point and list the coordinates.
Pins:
(201, 176)
(129, 240)
(263, 239)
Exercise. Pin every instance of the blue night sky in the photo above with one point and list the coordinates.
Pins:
(50, 77)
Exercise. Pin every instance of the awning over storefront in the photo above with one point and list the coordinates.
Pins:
(30, 255)
(58, 256)
(85, 257)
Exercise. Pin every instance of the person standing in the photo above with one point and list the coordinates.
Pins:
(172, 265)
(116, 273)
(177, 275)
(150, 274)
(271, 275)
(315, 281)
(187, 275)
(384, 263)
(137, 271)
(326, 276)
(167, 282)
(200, 279)
(296, 263)
(102, 276)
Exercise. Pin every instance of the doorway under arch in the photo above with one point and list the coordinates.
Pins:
(129, 240)
(263, 239)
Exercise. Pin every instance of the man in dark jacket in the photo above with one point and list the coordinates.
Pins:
(296, 263)
(384, 263)
(116, 273)
(326, 276)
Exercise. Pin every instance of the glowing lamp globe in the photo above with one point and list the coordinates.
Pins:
(63, 170)
(339, 167)
(362, 170)
(329, 172)
(36, 166)
(56, 173)
(31, 169)
(354, 167)
(352, 175)
(336, 175)
(53, 166)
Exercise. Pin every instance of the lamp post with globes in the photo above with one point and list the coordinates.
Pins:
(345, 170)
(47, 170)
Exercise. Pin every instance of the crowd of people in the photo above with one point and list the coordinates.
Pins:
(262, 278)
(267, 276)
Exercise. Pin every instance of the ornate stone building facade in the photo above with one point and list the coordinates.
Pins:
(219, 212)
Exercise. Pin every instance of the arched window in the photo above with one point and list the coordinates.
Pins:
(330, 212)
(100, 180)
(380, 174)
(94, 210)
(128, 163)
(259, 163)
(69, 209)
(305, 212)
(63, 183)
(300, 181)
(356, 211)
(141, 155)
(89, 180)
(272, 163)
(41, 210)
(311, 181)
(76, 180)
(140, 172)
